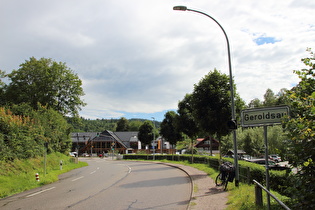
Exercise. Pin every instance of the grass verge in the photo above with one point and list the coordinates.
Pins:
(240, 198)
(19, 175)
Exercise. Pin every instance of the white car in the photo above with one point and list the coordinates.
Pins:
(73, 154)
(275, 158)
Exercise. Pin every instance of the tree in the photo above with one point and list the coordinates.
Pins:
(2, 75)
(134, 125)
(145, 134)
(24, 131)
(185, 120)
(255, 103)
(301, 134)
(122, 124)
(46, 82)
(169, 129)
(269, 98)
(281, 97)
(2, 86)
(211, 103)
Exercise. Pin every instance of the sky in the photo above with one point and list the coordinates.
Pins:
(139, 58)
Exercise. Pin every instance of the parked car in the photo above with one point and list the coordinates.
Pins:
(275, 158)
(85, 155)
(272, 164)
(246, 157)
(73, 154)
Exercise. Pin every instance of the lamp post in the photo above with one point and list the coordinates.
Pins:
(232, 123)
(153, 142)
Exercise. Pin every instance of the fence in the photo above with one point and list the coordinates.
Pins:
(258, 196)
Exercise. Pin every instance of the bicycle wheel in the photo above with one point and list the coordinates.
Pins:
(226, 182)
(219, 181)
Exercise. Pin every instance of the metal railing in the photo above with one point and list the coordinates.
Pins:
(258, 195)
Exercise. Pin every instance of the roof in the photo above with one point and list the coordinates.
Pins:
(203, 141)
(123, 138)
(109, 136)
(239, 152)
(83, 136)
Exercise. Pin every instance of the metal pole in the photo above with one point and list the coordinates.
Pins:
(267, 165)
(184, 8)
(153, 143)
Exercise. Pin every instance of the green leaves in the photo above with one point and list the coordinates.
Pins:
(301, 134)
(145, 134)
(211, 103)
(23, 135)
(169, 128)
(46, 82)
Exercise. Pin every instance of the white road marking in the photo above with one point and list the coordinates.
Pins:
(40, 192)
(129, 169)
(92, 172)
(77, 178)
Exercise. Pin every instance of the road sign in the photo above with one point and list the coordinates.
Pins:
(263, 116)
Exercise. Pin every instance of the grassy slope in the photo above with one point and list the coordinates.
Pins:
(19, 175)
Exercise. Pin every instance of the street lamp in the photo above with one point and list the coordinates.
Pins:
(232, 123)
(153, 142)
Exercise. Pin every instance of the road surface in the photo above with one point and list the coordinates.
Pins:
(107, 184)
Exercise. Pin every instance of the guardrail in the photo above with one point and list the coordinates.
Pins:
(258, 196)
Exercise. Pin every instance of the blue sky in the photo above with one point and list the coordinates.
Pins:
(138, 59)
(265, 40)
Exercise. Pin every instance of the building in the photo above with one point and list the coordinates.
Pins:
(207, 144)
(88, 143)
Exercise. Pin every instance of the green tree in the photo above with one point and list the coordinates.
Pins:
(185, 121)
(20, 136)
(270, 98)
(281, 97)
(301, 133)
(46, 82)
(56, 129)
(255, 103)
(169, 130)
(2, 86)
(145, 134)
(134, 125)
(211, 103)
(122, 124)
(2, 75)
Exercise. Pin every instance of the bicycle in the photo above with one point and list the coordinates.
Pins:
(226, 175)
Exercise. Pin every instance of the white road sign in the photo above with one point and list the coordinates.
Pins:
(263, 116)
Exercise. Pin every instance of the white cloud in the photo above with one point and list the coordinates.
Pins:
(140, 56)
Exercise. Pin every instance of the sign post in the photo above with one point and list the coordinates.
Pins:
(264, 117)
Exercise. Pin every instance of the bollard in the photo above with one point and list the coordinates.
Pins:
(37, 177)
(60, 164)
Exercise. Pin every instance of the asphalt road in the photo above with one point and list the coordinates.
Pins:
(107, 184)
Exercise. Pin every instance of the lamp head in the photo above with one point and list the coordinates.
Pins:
(181, 8)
